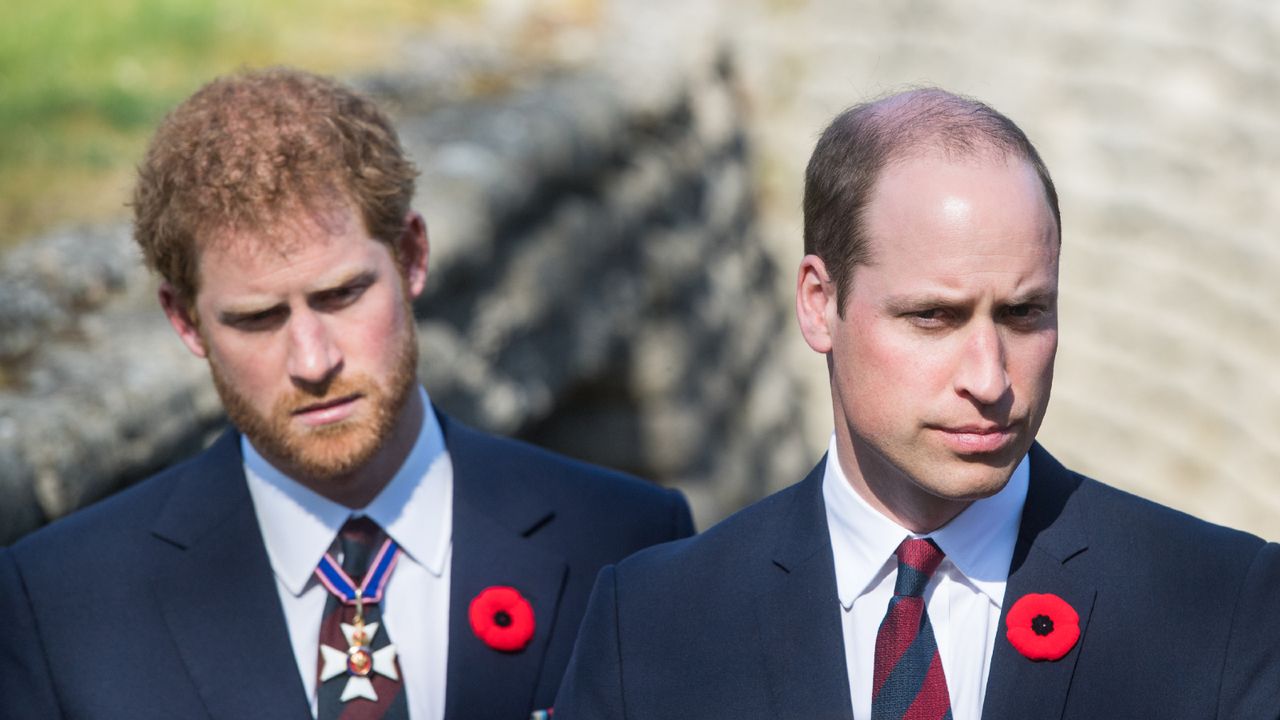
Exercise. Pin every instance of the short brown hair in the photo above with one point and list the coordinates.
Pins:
(861, 141)
(248, 148)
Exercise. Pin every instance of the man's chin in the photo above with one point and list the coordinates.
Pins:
(973, 481)
(323, 456)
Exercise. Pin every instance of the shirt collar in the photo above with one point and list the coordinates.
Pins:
(415, 508)
(978, 542)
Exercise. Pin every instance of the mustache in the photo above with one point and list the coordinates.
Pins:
(340, 389)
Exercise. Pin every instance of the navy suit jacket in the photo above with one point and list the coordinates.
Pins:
(160, 602)
(1179, 618)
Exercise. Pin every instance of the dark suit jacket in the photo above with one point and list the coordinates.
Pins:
(1179, 618)
(160, 602)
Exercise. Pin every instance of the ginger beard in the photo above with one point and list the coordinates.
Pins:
(336, 450)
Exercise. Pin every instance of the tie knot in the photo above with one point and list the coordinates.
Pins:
(359, 539)
(918, 558)
(360, 529)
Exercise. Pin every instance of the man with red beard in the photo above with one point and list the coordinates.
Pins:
(346, 550)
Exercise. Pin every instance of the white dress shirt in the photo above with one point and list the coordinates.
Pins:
(963, 598)
(416, 510)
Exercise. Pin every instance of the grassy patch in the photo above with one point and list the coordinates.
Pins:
(83, 82)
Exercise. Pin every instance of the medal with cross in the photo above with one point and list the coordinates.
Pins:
(359, 661)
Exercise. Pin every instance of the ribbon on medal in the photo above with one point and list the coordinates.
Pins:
(333, 577)
(359, 660)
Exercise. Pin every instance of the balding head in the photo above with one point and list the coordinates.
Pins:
(863, 140)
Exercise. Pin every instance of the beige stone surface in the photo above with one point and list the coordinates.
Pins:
(1161, 124)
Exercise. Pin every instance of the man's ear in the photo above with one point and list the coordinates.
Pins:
(183, 319)
(414, 250)
(815, 303)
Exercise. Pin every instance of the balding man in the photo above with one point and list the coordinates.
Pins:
(937, 563)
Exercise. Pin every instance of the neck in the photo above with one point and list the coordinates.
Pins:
(891, 492)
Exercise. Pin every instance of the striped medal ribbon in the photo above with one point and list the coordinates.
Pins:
(359, 660)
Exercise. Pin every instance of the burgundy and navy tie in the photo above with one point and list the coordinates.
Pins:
(909, 682)
(359, 673)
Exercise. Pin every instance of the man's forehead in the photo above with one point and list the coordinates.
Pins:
(937, 181)
(280, 233)
(282, 229)
(930, 160)
(267, 263)
(931, 209)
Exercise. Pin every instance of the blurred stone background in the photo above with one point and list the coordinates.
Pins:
(615, 230)
(1161, 125)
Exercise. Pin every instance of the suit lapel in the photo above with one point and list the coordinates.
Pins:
(1050, 557)
(798, 612)
(495, 511)
(217, 595)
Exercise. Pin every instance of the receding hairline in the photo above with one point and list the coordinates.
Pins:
(926, 119)
(864, 140)
(935, 122)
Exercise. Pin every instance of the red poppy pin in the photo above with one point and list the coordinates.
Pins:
(502, 618)
(1043, 626)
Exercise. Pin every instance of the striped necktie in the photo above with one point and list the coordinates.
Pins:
(909, 682)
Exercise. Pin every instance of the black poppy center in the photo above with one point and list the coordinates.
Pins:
(503, 619)
(1042, 625)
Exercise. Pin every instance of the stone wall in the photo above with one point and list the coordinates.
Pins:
(614, 243)
(597, 286)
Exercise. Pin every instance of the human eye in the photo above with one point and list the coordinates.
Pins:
(341, 296)
(259, 321)
(1026, 314)
(929, 317)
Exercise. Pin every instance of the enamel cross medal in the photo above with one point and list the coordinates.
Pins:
(359, 661)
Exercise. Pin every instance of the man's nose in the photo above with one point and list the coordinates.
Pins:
(314, 356)
(982, 373)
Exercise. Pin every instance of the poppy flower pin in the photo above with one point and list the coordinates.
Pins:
(502, 618)
(1043, 626)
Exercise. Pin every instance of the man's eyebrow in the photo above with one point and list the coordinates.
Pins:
(921, 301)
(233, 315)
(356, 277)
(1033, 295)
(249, 310)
